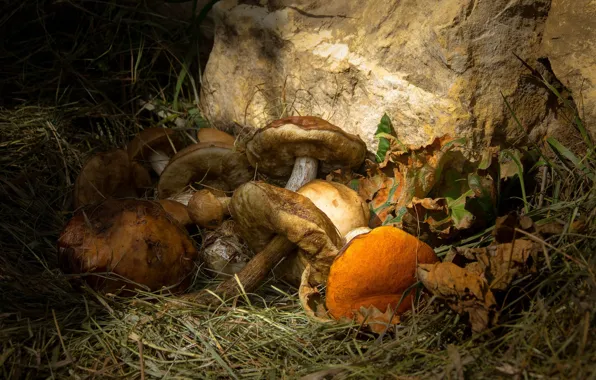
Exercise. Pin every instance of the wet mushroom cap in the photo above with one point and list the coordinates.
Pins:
(346, 209)
(262, 211)
(105, 175)
(274, 149)
(204, 161)
(136, 240)
(375, 269)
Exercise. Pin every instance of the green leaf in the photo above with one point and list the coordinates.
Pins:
(461, 217)
(514, 156)
(562, 151)
(384, 127)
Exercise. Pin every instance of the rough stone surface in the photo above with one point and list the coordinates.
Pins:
(569, 43)
(435, 67)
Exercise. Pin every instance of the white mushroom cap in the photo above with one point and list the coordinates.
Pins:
(346, 209)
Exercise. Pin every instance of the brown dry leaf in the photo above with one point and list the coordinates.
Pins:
(557, 228)
(502, 263)
(464, 292)
(430, 215)
(382, 192)
(343, 177)
(311, 300)
(504, 231)
(375, 320)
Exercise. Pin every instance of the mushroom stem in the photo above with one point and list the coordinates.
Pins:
(250, 276)
(305, 170)
(159, 160)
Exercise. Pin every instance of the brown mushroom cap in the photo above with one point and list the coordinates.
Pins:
(151, 140)
(177, 211)
(346, 209)
(207, 210)
(105, 175)
(262, 211)
(133, 239)
(375, 269)
(212, 134)
(204, 161)
(274, 149)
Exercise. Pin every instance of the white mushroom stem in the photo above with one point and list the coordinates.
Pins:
(159, 160)
(305, 170)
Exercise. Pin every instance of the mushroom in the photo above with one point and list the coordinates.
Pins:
(212, 134)
(346, 209)
(135, 241)
(374, 270)
(177, 211)
(300, 146)
(274, 222)
(203, 162)
(108, 175)
(154, 145)
(206, 210)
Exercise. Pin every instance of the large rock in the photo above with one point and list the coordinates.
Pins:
(435, 67)
(569, 42)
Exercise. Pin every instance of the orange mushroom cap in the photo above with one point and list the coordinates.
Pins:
(375, 269)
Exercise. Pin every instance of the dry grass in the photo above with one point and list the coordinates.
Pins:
(50, 330)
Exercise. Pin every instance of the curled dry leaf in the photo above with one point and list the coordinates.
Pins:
(500, 264)
(377, 321)
(464, 292)
(311, 300)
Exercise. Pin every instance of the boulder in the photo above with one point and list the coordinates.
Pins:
(435, 67)
(569, 43)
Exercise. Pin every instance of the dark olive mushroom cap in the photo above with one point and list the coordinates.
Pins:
(262, 211)
(103, 176)
(274, 148)
(204, 161)
(150, 140)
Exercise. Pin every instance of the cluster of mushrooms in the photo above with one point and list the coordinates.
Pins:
(118, 241)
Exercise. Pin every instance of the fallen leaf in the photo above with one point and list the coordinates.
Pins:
(375, 320)
(505, 226)
(502, 263)
(463, 291)
(311, 300)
